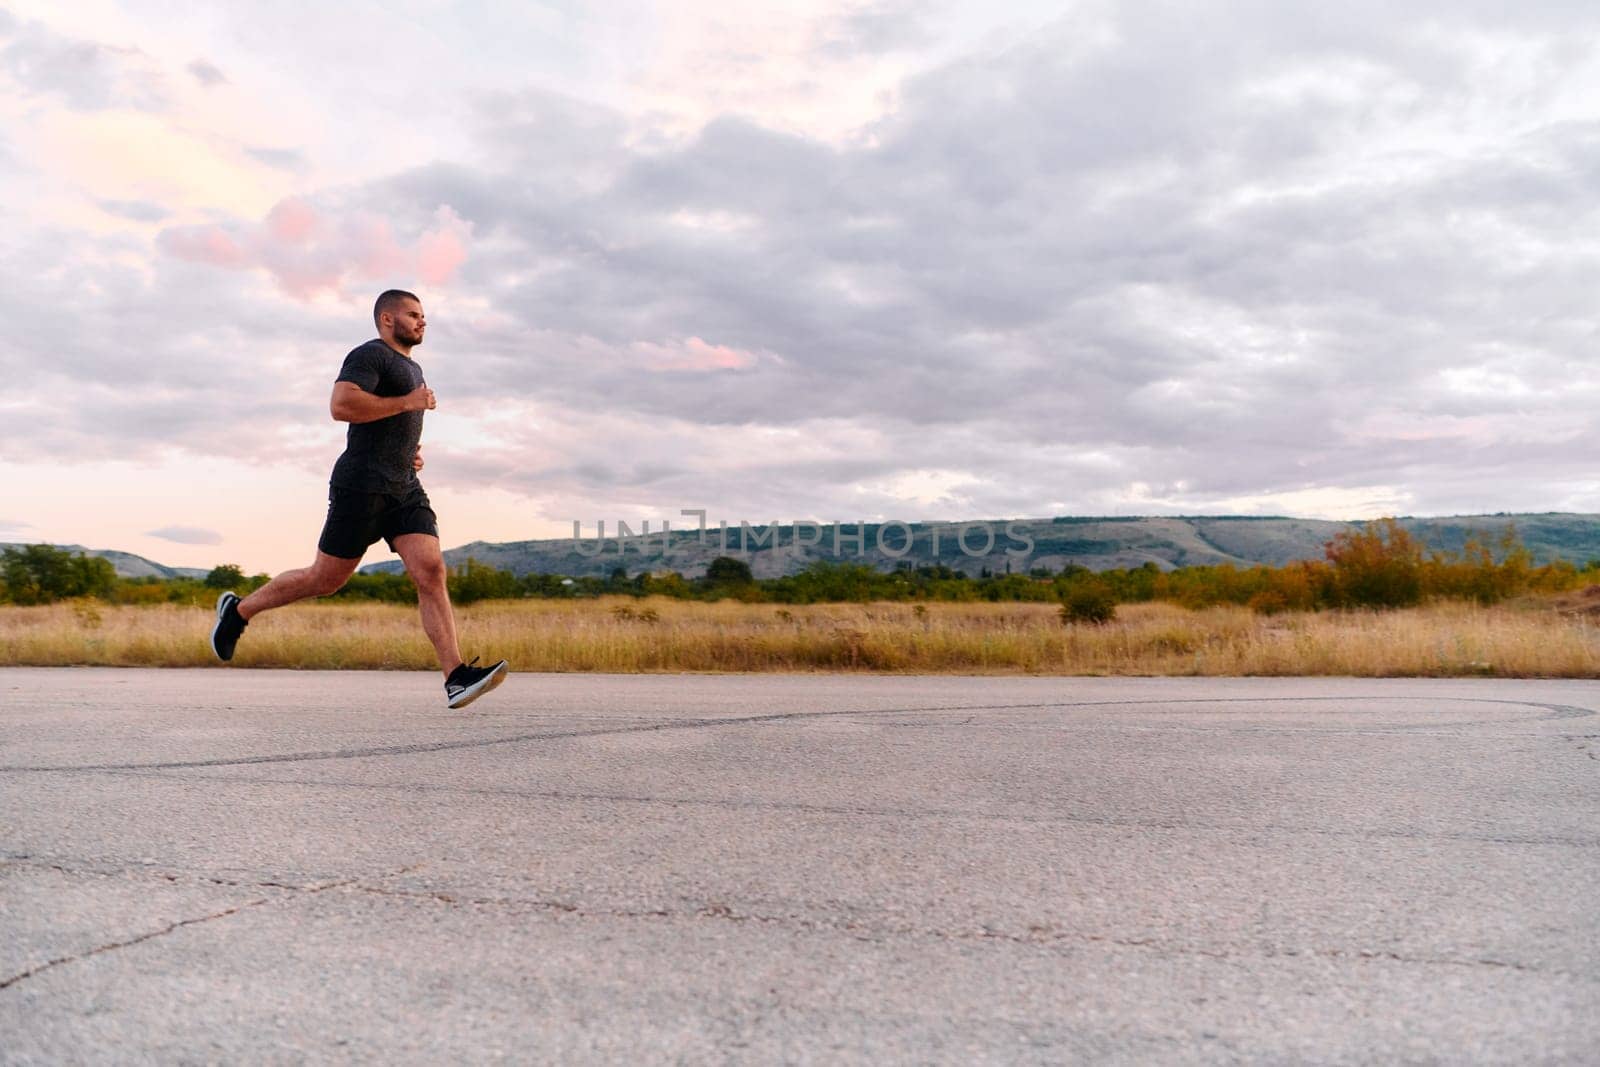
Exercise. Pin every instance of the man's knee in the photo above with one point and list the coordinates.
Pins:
(430, 575)
(328, 584)
(326, 580)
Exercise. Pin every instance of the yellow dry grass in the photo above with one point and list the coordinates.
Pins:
(624, 635)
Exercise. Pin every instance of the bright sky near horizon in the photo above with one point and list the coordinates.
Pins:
(805, 260)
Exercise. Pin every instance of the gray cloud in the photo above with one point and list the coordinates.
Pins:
(207, 74)
(282, 158)
(1152, 259)
(135, 210)
(186, 535)
(85, 75)
(873, 29)
(147, 361)
(1130, 249)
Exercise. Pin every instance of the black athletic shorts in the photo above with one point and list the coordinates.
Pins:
(356, 520)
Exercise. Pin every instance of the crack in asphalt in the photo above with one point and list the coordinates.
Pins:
(1584, 743)
(1555, 712)
(1036, 935)
(113, 946)
(112, 870)
(293, 891)
(1440, 961)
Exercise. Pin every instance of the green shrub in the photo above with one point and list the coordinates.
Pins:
(43, 574)
(226, 576)
(725, 570)
(479, 581)
(1377, 566)
(1088, 601)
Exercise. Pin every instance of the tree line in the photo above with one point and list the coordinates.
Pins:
(1379, 565)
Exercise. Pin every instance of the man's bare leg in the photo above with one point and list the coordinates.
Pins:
(324, 577)
(425, 563)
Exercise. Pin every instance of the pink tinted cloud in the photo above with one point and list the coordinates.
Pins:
(205, 244)
(292, 221)
(692, 354)
(374, 250)
(308, 251)
(441, 251)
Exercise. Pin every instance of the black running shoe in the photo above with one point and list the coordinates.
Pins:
(468, 682)
(230, 624)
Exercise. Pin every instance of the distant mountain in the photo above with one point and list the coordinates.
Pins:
(127, 565)
(1018, 544)
(1015, 544)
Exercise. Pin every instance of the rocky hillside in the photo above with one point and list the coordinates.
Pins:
(128, 565)
(1016, 544)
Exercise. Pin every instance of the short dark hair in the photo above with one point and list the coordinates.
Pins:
(388, 299)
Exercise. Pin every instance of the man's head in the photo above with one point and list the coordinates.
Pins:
(398, 315)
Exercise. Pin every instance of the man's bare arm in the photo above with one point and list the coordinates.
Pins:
(351, 403)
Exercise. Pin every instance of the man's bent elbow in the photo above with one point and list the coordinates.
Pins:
(341, 402)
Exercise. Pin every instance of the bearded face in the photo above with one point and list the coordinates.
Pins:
(409, 323)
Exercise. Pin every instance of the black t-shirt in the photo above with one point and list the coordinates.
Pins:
(378, 454)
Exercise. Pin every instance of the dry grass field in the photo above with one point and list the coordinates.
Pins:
(1534, 638)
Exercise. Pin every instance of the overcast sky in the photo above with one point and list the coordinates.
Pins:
(823, 261)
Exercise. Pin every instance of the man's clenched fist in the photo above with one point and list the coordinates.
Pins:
(420, 399)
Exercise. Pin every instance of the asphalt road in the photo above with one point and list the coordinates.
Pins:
(228, 865)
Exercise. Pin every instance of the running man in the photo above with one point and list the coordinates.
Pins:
(374, 493)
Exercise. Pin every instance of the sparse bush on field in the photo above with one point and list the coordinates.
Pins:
(725, 570)
(1088, 601)
(1377, 566)
(226, 576)
(1268, 602)
(1474, 573)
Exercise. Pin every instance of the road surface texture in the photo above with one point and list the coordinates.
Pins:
(231, 865)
